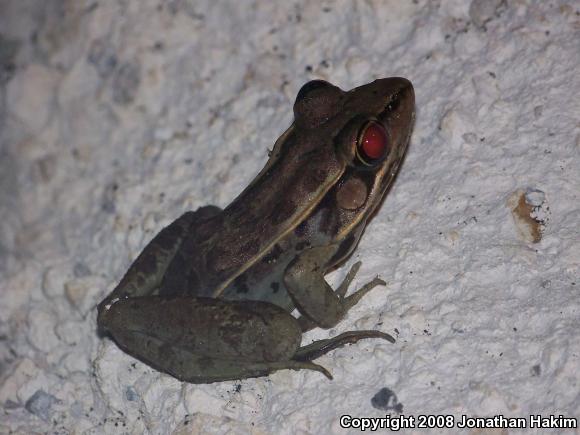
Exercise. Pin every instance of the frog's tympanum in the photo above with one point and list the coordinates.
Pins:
(209, 298)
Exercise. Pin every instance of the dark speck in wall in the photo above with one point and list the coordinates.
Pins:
(386, 400)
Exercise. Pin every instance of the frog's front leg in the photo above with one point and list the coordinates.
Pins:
(319, 304)
(202, 340)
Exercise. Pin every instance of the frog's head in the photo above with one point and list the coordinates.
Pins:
(369, 127)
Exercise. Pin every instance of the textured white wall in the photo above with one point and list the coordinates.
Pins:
(117, 116)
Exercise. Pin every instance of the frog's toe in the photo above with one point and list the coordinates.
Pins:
(321, 347)
(352, 300)
(343, 287)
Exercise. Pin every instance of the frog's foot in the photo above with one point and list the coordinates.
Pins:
(321, 347)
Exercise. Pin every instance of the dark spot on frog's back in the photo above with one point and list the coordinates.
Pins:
(275, 286)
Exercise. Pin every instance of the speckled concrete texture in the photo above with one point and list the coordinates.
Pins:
(117, 116)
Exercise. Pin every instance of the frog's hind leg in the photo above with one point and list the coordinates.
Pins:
(321, 347)
(189, 367)
(202, 340)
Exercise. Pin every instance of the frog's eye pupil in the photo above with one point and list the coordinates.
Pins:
(373, 143)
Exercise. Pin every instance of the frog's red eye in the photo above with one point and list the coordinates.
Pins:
(373, 144)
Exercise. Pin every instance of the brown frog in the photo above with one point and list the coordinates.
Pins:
(209, 298)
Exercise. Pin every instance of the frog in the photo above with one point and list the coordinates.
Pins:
(211, 297)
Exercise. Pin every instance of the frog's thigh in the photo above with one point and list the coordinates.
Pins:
(206, 340)
(146, 272)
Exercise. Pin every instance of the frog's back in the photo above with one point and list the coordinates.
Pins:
(223, 245)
